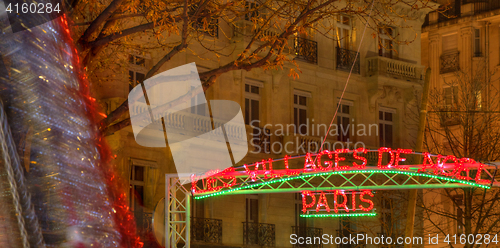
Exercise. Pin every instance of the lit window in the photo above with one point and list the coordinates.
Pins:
(137, 180)
(450, 101)
(344, 32)
(137, 70)
(385, 43)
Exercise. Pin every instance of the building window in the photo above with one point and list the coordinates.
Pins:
(459, 213)
(343, 120)
(137, 70)
(451, 97)
(450, 100)
(478, 100)
(252, 102)
(252, 10)
(385, 44)
(386, 127)
(386, 216)
(449, 60)
(300, 109)
(300, 222)
(477, 43)
(198, 104)
(450, 43)
(199, 207)
(137, 179)
(344, 32)
(252, 208)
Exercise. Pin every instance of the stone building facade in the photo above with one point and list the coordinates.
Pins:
(379, 103)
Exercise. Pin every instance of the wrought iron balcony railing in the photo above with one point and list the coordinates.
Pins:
(479, 6)
(459, 8)
(393, 237)
(345, 233)
(449, 116)
(345, 60)
(306, 49)
(449, 62)
(312, 232)
(259, 234)
(144, 221)
(452, 12)
(206, 230)
(261, 140)
(210, 29)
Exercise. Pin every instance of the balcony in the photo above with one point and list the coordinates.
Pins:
(210, 29)
(206, 230)
(261, 140)
(144, 221)
(448, 116)
(479, 6)
(345, 60)
(393, 68)
(144, 224)
(393, 237)
(307, 232)
(306, 50)
(452, 12)
(449, 62)
(459, 9)
(345, 233)
(261, 234)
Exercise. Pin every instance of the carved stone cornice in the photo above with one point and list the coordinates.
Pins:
(434, 38)
(466, 31)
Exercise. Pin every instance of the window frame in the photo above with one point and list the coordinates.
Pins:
(341, 114)
(133, 183)
(250, 96)
(383, 123)
(135, 69)
(297, 107)
(386, 44)
(458, 201)
(248, 210)
(340, 27)
(476, 42)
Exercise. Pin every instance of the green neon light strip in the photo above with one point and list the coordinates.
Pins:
(337, 215)
(222, 192)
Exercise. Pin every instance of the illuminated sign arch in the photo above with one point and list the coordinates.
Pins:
(344, 169)
(357, 170)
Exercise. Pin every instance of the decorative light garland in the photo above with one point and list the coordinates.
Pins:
(223, 192)
(337, 215)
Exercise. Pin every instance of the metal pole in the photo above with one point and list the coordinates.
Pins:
(412, 201)
(188, 220)
(167, 212)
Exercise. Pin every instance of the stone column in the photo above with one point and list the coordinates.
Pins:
(465, 47)
(434, 57)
